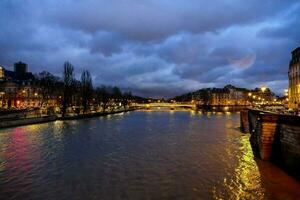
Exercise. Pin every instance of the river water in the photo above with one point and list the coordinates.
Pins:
(138, 155)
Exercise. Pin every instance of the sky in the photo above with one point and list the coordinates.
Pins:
(155, 48)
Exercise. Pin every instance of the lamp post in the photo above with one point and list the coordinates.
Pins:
(263, 89)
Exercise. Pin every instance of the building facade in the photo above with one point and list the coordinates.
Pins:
(294, 80)
(2, 73)
(18, 88)
(229, 96)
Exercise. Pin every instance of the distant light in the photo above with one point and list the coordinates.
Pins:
(263, 89)
(249, 94)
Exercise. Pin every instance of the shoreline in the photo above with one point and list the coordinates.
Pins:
(91, 115)
(51, 118)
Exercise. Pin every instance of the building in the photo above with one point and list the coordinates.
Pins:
(2, 73)
(294, 80)
(20, 68)
(18, 88)
(219, 97)
(227, 96)
(230, 96)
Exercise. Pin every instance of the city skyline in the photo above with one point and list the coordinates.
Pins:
(155, 49)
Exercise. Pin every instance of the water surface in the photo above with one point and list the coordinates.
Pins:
(137, 155)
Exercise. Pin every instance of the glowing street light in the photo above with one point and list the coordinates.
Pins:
(286, 92)
(263, 89)
(249, 94)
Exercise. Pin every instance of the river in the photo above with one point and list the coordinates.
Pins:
(138, 155)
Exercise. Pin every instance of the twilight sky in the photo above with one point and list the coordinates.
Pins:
(155, 47)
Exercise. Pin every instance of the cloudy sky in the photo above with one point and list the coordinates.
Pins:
(155, 47)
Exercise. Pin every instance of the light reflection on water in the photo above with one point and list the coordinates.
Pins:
(154, 155)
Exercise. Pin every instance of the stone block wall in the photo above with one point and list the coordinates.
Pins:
(244, 121)
(290, 149)
(276, 138)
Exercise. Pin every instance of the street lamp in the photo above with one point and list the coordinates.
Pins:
(249, 94)
(263, 89)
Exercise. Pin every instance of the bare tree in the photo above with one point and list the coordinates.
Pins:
(47, 83)
(103, 97)
(68, 79)
(86, 90)
(116, 96)
(126, 97)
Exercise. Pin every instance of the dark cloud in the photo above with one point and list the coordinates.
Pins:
(106, 43)
(155, 48)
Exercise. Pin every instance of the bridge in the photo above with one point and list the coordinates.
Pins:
(167, 105)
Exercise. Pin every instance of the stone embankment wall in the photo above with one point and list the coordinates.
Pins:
(274, 138)
(91, 115)
(244, 121)
(26, 121)
(21, 120)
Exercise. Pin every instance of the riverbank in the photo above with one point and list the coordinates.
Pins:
(26, 121)
(90, 115)
(274, 137)
(44, 119)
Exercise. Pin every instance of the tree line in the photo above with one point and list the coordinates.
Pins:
(80, 95)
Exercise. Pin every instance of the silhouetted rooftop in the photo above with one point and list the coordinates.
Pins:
(19, 77)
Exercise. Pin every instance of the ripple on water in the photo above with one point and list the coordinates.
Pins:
(159, 155)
